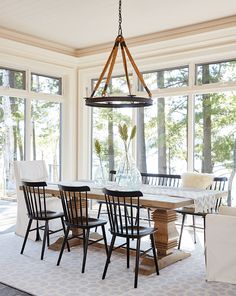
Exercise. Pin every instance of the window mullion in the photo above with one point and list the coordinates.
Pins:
(190, 133)
(28, 129)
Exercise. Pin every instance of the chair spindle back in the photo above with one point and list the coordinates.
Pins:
(123, 211)
(35, 199)
(161, 179)
(75, 204)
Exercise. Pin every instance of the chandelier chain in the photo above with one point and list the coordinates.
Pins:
(120, 20)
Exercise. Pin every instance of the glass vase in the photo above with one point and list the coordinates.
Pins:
(128, 175)
(100, 176)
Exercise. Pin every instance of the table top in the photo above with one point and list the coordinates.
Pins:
(153, 196)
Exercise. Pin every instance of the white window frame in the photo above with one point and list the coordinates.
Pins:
(206, 54)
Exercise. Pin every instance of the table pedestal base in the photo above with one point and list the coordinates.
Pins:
(166, 239)
(147, 267)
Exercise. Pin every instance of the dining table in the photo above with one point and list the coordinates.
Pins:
(163, 201)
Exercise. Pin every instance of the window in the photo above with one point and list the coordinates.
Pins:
(12, 78)
(215, 130)
(45, 136)
(168, 78)
(163, 146)
(42, 126)
(216, 72)
(46, 84)
(105, 127)
(11, 140)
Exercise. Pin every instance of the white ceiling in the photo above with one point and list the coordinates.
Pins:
(83, 23)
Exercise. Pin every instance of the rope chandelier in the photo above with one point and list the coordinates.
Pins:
(107, 101)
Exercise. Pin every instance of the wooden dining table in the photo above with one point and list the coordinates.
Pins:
(163, 201)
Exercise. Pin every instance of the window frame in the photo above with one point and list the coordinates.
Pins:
(191, 91)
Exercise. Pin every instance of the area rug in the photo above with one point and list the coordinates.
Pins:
(43, 278)
(6, 290)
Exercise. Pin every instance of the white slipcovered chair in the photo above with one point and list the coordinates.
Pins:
(32, 171)
(221, 246)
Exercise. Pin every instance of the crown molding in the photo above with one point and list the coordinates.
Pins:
(203, 27)
(184, 31)
(36, 42)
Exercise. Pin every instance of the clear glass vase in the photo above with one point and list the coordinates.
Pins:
(100, 176)
(127, 174)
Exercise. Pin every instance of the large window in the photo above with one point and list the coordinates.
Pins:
(45, 136)
(191, 125)
(27, 118)
(215, 129)
(163, 148)
(215, 115)
(105, 128)
(11, 140)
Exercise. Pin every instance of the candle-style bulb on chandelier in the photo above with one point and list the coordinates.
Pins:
(107, 101)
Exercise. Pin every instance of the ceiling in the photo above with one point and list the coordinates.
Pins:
(84, 23)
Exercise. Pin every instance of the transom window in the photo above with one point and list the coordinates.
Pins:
(166, 78)
(12, 78)
(46, 84)
(216, 72)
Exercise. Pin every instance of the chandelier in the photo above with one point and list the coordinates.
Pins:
(107, 101)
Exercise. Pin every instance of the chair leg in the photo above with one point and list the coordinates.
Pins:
(128, 252)
(44, 239)
(86, 238)
(154, 253)
(194, 230)
(104, 238)
(48, 240)
(26, 235)
(149, 217)
(63, 245)
(99, 213)
(109, 256)
(181, 231)
(137, 263)
(64, 230)
(204, 229)
(204, 233)
(38, 238)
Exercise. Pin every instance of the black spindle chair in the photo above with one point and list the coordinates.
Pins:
(219, 183)
(119, 203)
(112, 178)
(148, 179)
(159, 180)
(75, 206)
(35, 199)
